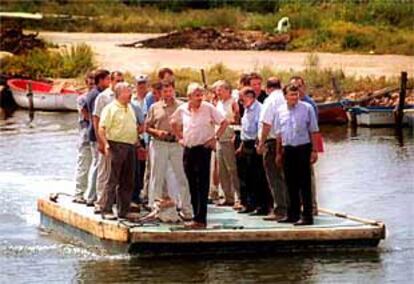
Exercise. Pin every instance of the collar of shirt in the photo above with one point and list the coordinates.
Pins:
(253, 106)
(120, 105)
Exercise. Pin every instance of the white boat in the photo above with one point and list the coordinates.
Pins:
(409, 116)
(45, 96)
(375, 116)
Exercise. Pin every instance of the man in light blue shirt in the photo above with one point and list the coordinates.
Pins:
(304, 96)
(295, 126)
(257, 200)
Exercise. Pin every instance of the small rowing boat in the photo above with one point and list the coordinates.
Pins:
(45, 96)
(375, 115)
(332, 113)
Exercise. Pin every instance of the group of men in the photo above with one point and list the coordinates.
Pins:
(172, 157)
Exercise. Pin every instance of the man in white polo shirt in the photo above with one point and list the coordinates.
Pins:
(198, 137)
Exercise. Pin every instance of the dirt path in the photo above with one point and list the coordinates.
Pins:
(139, 60)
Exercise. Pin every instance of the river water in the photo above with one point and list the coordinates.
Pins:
(367, 172)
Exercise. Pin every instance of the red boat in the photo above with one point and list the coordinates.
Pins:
(332, 113)
(45, 96)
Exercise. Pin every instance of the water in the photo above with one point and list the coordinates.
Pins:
(368, 173)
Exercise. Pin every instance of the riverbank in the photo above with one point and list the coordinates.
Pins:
(382, 27)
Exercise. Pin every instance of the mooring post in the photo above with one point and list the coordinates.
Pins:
(403, 90)
(31, 104)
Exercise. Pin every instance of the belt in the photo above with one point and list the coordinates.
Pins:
(168, 140)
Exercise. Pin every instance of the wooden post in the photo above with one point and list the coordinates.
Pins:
(400, 109)
(337, 89)
(31, 104)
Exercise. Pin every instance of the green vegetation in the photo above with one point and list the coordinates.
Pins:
(319, 81)
(38, 63)
(380, 26)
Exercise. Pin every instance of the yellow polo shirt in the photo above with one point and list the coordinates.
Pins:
(119, 122)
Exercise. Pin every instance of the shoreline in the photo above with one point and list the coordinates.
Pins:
(138, 60)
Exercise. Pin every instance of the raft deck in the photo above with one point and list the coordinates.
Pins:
(227, 232)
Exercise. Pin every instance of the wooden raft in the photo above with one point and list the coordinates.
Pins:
(226, 229)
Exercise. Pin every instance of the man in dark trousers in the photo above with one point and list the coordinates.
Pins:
(198, 120)
(253, 175)
(118, 131)
(296, 128)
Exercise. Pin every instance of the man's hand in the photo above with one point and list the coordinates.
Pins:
(162, 134)
(211, 143)
(106, 150)
(238, 151)
(101, 147)
(260, 148)
(313, 157)
(279, 160)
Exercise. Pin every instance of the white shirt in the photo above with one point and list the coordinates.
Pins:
(198, 126)
(102, 100)
(269, 110)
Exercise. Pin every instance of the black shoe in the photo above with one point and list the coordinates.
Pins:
(304, 222)
(245, 210)
(288, 220)
(259, 212)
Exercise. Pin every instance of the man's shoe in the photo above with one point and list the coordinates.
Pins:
(193, 225)
(245, 210)
(79, 199)
(304, 222)
(185, 217)
(288, 220)
(90, 203)
(225, 203)
(108, 216)
(274, 217)
(237, 206)
(97, 210)
(259, 212)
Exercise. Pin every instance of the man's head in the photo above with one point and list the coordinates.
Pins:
(167, 90)
(156, 90)
(244, 81)
(102, 78)
(142, 85)
(195, 94)
(90, 80)
(255, 82)
(166, 74)
(272, 84)
(222, 89)
(116, 77)
(291, 93)
(300, 83)
(248, 95)
(123, 92)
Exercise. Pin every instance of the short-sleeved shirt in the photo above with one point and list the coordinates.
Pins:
(159, 114)
(269, 109)
(119, 122)
(226, 109)
(139, 114)
(295, 124)
(310, 101)
(250, 122)
(90, 106)
(102, 100)
(198, 125)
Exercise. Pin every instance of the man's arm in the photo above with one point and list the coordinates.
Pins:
(102, 136)
(314, 154)
(279, 151)
(262, 139)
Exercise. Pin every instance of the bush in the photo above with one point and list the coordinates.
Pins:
(66, 63)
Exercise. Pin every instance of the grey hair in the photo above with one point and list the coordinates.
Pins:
(223, 84)
(120, 87)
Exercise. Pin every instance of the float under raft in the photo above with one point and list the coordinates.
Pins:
(227, 232)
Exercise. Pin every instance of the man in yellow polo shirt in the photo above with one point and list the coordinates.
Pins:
(118, 130)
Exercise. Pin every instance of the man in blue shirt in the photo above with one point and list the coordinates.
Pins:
(102, 81)
(296, 127)
(304, 96)
(257, 201)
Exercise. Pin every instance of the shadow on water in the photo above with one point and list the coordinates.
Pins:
(252, 268)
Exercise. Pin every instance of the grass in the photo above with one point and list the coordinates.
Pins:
(61, 63)
(333, 26)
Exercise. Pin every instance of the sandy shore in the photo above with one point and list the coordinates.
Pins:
(138, 60)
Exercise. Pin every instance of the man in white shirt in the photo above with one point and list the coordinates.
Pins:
(198, 136)
(267, 147)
